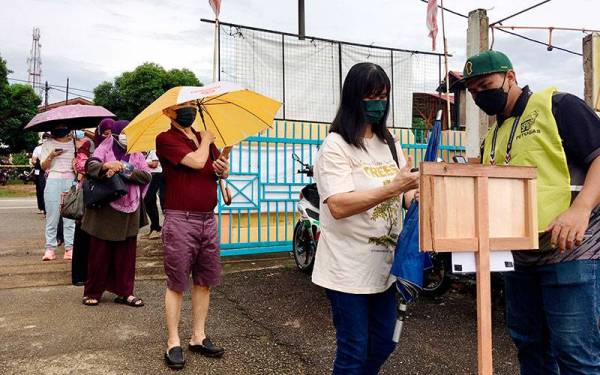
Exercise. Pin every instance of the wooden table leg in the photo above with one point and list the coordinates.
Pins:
(482, 263)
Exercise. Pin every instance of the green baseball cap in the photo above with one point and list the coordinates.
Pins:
(486, 62)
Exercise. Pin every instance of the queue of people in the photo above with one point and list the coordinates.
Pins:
(553, 296)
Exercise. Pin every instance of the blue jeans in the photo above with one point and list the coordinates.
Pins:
(553, 316)
(52, 191)
(364, 325)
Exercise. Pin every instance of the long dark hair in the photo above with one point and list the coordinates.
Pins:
(363, 80)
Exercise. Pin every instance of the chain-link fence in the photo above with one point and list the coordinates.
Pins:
(307, 74)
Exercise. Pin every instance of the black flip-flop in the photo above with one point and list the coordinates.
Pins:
(132, 303)
(87, 301)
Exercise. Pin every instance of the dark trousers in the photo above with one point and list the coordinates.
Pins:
(364, 327)
(81, 249)
(157, 185)
(60, 236)
(553, 317)
(111, 267)
(40, 185)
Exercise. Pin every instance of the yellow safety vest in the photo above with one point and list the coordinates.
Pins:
(536, 143)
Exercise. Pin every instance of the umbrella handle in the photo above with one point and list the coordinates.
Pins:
(225, 192)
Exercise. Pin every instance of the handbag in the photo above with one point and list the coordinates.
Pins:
(72, 205)
(99, 192)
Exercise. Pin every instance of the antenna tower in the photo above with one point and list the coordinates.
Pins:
(35, 63)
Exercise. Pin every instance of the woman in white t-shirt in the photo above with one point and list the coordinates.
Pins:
(361, 187)
(57, 157)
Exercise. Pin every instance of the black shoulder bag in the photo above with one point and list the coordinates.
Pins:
(98, 192)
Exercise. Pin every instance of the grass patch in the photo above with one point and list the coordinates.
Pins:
(17, 190)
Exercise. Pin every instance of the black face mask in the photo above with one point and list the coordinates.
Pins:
(185, 116)
(492, 101)
(59, 133)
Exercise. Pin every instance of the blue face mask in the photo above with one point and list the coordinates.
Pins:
(374, 110)
(79, 134)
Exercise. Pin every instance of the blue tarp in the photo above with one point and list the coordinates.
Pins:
(409, 262)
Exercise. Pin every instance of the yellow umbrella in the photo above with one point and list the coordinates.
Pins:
(231, 112)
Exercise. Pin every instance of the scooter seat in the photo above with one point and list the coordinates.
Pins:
(311, 194)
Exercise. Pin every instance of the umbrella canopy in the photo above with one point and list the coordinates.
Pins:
(409, 262)
(231, 112)
(75, 116)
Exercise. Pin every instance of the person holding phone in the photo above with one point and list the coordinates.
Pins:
(191, 166)
(56, 157)
(361, 176)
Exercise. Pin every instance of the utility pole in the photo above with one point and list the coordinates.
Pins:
(67, 93)
(46, 89)
(591, 70)
(301, 30)
(477, 122)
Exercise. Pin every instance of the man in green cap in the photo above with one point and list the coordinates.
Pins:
(553, 296)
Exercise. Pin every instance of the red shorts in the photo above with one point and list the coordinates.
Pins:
(191, 245)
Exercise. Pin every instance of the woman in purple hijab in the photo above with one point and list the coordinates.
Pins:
(103, 130)
(113, 228)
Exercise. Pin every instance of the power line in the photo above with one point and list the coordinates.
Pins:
(448, 10)
(521, 12)
(548, 28)
(58, 88)
(53, 85)
(513, 33)
(539, 42)
(64, 91)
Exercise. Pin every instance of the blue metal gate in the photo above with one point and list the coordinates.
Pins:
(265, 185)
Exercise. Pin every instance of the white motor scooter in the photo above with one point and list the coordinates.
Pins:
(307, 229)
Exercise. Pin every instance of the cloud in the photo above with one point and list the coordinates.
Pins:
(91, 41)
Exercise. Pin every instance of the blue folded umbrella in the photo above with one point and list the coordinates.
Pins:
(409, 262)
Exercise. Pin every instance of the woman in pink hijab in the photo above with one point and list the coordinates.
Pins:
(113, 228)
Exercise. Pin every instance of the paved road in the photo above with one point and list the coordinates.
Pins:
(270, 322)
(21, 227)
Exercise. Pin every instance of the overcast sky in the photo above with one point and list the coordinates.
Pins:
(90, 41)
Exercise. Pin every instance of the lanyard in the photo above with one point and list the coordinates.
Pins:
(513, 131)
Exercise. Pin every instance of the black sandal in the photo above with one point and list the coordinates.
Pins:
(90, 301)
(134, 302)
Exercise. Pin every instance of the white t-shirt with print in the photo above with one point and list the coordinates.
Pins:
(355, 254)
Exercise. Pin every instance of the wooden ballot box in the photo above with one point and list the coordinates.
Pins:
(477, 208)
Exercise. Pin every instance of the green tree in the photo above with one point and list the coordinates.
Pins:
(133, 91)
(20, 158)
(181, 77)
(18, 105)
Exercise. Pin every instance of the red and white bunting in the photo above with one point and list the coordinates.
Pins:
(432, 9)
(216, 7)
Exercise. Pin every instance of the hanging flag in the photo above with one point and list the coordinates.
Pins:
(216, 7)
(432, 9)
